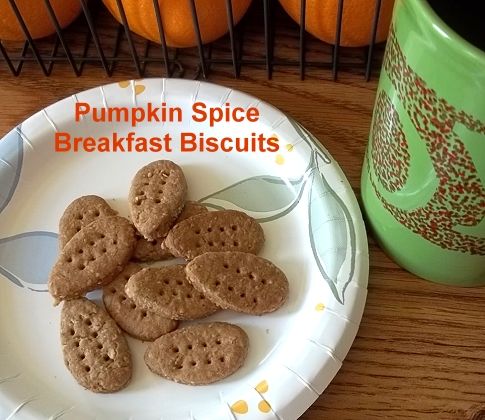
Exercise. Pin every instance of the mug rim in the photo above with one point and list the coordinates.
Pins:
(448, 34)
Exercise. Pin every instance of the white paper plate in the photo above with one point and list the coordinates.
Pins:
(310, 217)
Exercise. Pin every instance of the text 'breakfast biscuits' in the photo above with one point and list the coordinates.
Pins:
(167, 292)
(80, 213)
(139, 323)
(95, 350)
(155, 250)
(239, 281)
(156, 198)
(92, 257)
(198, 354)
(225, 230)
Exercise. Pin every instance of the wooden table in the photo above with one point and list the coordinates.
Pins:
(420, 350)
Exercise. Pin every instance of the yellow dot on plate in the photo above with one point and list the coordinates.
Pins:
(264, 406)
(139, 89)
(262, 387)
(240, 407)
(280, 160)
(124, 83)
(320, 307)
(290, 147)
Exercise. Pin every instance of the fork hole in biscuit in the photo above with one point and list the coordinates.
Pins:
(114, 241)
(180, 282)
(166, 281)
(79, 217)
(97, 213)
(193, 363)
(251, 276)
(71, 331)
(144, 314)
(69, 259)
(226, 265)
(263, 281)
(91, 243)
(157, 200)
(201, 297)
(242, 295)
(211, 243)
(230, 288)
(113, 290)
(235, 243)
(198, 244)
(81, 266)
(88, 322)
(178, 366)
(87, 369)
(100, 346)
(175, 349)
(234, 227)
(94, 335)
(204, 344)
(103, 236)
(160, 293)
(104, 250)
(208, 362)
(223, 243)
(218, 341)
(209, 229)
(238, 270)
(78, 229)
(217, 283)
(221, 359)
(189, 296)
(222, 229)
(255, 300)
(80, 251)
(82, 356)
(76, 343)
(197, 231)
(122, 298)
(106, 358)
(133, 306)
(189, 347)
(174, 293)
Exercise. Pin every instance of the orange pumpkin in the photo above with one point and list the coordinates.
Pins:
(36, 17)
(357, 18)
(177, 19)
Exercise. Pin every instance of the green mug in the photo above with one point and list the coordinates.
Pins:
(424, 170)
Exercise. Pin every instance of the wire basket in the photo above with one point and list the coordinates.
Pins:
(265, 38)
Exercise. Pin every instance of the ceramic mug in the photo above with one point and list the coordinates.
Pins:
(424, 170)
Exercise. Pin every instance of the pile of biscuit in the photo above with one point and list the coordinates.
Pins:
(98, 248)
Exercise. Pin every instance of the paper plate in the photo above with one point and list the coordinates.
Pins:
(314, 233)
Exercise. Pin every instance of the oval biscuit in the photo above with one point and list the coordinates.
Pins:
(92, 257)
(156, 198)
(239, 281)
(80, 213)
(167, 292)
(225, 230)
(139, 323)
(198, 354)
(94, 349)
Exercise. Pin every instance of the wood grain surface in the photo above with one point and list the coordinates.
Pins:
(420, 350)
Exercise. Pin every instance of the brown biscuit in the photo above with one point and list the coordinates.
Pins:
(198, 354)
(156, 198)
(95, 350)
(139, 323)
(155, 250)
(239, 281)
(80, 213)
(167, 292)
(225, 230)
(92, 258)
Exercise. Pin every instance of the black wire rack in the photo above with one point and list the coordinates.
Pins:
(265, 38)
